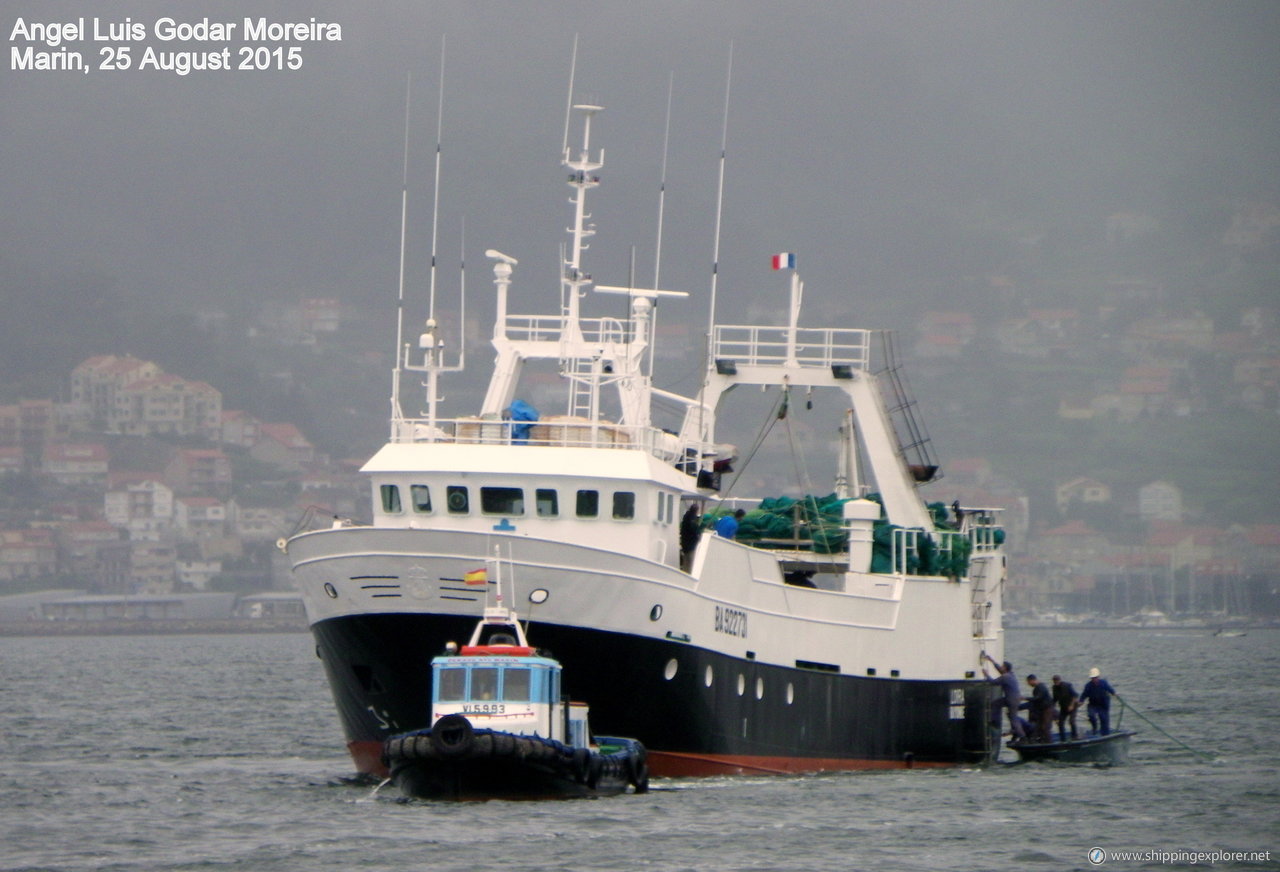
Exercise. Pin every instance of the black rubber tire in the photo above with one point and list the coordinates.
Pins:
(452, 736)
(581, 765)
(595, 768)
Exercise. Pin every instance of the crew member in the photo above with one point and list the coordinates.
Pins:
(1097, 693)
(1067, 701)
(727, 526)
(1040, 710)
(1010, 696)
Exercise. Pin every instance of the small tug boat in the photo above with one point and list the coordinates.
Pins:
(1109, 749)
(501, 729)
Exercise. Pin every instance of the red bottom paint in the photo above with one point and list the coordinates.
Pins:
(675, 765)
(667, 764)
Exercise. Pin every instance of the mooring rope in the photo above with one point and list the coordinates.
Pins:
(1158, 728)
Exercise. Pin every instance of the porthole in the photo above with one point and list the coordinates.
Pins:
(330, 590)
(742, 684)
(708, 677)
(671, 669)
(538, 596)
(791, 693)
(759, 688)
(655, 612)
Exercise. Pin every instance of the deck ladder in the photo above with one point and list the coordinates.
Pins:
(979, 608)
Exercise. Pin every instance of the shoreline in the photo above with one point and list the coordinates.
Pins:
(152, 627)
(1166, 627)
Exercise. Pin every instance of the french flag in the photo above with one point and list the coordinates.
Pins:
(784, 261)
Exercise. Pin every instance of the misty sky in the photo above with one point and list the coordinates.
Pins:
(851, 124)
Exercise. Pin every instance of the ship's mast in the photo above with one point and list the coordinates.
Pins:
(429, 345)
(581, 179)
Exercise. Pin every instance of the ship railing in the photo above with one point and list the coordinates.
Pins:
(817, 347)
(561, 431)
(983, 528)
(942, 553)
(551, 328)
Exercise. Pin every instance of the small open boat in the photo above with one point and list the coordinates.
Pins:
(500, 728)
(1111, 748)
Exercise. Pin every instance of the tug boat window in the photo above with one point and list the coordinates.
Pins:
(421, 495)
(516, 685)
(548, 503)
(452, 686)
(588, 504)
(458, 500)
(624, 505)
(502, 500)
(390, 499)
(484, 683)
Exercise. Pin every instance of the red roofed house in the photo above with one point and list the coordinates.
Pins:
(167, 404)
(283, 445)
(94, 383)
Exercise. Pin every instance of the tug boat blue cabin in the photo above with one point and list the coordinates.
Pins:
(502, 729)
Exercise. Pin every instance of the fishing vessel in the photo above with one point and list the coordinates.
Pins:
(501, 728)
(841, 633)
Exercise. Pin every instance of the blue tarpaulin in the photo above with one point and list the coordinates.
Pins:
(522, 416)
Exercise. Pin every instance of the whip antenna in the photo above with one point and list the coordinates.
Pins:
(568, 108)
(724, 140)
(396, 413)
(708, 351)
(435, 199)
(662, 186)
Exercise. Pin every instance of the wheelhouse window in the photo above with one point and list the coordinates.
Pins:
(421, 496)
(502, 500)
(451, 685)
(548, 503)
(458, 500)
(484, 683)
(624, 505)
(516, 685)
(390, 499)
(588, 504)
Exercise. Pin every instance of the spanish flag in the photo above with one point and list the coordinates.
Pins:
(476, 576)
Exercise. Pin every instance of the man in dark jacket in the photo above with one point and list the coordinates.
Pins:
(1040, 711)
(1097, 693)
(1067, 701)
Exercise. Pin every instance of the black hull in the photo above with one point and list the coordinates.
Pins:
(754, 717)
(1111, 748)
(490, 764)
